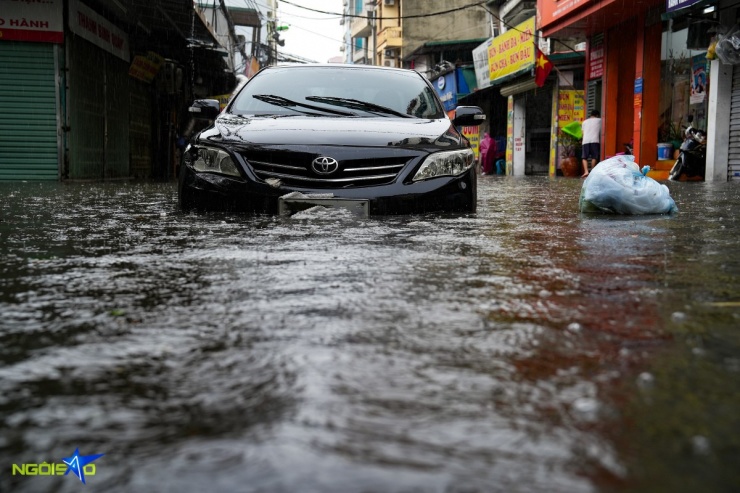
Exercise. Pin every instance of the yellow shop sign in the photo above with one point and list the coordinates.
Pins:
(513, 51)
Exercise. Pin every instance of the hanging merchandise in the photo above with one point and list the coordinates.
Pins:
(728, 46)
(574, 130)
(712, 50)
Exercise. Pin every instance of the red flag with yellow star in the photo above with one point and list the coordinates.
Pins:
(542, 67)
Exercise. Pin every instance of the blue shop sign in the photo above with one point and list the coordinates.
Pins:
(446, 87)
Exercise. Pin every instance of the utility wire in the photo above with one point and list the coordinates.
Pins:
(413, 16)
(341, 41)
(534, 35)
(481, 4)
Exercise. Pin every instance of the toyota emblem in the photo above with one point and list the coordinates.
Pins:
(324, 165)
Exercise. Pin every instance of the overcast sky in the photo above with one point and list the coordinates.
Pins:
(311, 35)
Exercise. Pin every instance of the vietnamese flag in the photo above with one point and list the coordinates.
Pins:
(542, 69)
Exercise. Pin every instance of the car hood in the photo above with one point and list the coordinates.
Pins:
(302, 130)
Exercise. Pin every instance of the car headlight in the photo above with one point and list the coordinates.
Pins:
(448, 163)
(210, 160)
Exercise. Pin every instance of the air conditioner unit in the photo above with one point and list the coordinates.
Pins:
(389, 63)
(389, 54)
(389, 2)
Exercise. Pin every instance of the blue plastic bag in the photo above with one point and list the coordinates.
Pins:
(617, 186)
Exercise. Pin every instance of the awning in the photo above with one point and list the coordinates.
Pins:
(525, 85)
(159, 21)
(595, 16)
(244, 16)
(446, 47)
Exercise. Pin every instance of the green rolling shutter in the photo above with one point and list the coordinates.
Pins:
(29, 148)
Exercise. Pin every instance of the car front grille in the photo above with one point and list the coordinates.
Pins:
(294, 169)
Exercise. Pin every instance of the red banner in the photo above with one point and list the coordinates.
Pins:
(596, 61)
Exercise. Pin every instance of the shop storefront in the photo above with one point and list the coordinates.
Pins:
(533, 115)
(97, 91)
(649, 70)
(143, 70)
(696, 82)
(723, 98)
(623, 68)
(488, 98)
(31, 36)
(567, 107)
(685, 82)
(504, 65)
(98, 54)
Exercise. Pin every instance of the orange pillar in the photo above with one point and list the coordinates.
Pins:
(646, 127)
(610, 91)
(639, 88)
(619, 86)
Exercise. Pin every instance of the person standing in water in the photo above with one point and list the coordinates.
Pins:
(591, 128)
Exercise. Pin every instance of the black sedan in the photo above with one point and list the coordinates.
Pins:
(338, 132)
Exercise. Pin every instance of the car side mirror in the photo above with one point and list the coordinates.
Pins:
(468, 115)
(205, 108)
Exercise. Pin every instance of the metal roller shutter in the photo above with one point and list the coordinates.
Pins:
(86, 110)
(733, 164)
(29, 146)
(140, 131)
(593, 97)
(99, 113)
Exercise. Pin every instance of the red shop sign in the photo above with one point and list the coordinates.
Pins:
(596, 61)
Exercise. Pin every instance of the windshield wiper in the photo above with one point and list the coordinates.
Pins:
(356, 104)
(289, 103)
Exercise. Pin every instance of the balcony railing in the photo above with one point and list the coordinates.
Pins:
(361, 28)
(390, 37)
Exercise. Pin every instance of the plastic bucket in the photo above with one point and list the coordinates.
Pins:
(664, 151)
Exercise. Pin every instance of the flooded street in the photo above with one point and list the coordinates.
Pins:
(525, 348)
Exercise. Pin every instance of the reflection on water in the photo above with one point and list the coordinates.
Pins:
(523, 348)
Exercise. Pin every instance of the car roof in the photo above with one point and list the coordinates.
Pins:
(346, 66)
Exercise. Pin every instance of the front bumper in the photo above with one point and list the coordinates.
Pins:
(211, 191)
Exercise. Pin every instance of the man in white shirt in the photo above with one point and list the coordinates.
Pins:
(591, 128)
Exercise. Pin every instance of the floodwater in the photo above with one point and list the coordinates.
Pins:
(525, 348)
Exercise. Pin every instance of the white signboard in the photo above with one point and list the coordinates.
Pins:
(31, 21)
(482, 69)
(88, 24)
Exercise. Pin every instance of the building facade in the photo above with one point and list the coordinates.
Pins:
(417, 34)
(98, 90)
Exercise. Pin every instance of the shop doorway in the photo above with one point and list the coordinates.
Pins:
(684, 82)
(538, 115)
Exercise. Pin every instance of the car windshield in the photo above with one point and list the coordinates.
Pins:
(338, 91)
